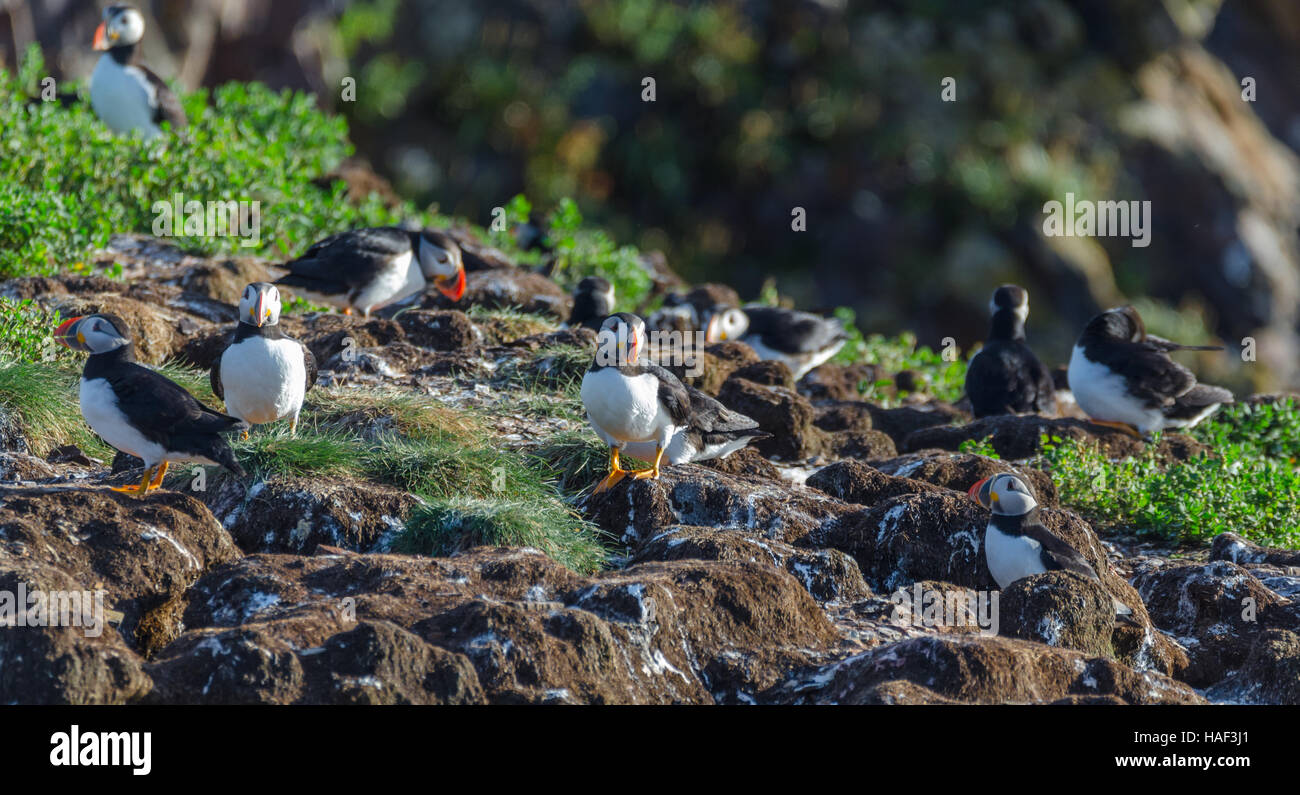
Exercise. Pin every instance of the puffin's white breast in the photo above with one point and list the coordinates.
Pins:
(1103, 395)
(263, 380)
(1011, 558)
(799, 363)
(122, 97)
(625, 408)
(399, 280)
(99, 408)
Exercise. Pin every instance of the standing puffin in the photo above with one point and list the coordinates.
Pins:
(139, 411)
(366, 269)
(124, 93)
(1005, 377)
(263, 375)
(630, 400)
(1016, 542)
(593, 301)
(800, 339)
(711, 431)
(1123, 377)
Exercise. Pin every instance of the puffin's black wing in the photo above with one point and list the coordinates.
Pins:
(1056, 554)
(309, 362)
(790, 331)
(160, 408)
(1193, 401)
(1150, 374)
(716, 423)
(342, 262)
(214, 378)
(1162, 344)
(166, 105)
(672, 394)
(1006, 377)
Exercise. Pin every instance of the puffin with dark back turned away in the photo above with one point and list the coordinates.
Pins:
(124, 93)
(800, 339)
(139, 411)
(367, 269)
(263, 375)
(1123, 377)
(1005, 377)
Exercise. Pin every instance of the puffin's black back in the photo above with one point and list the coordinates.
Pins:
(348, 261)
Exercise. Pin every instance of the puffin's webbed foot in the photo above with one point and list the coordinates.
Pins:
(1122, 427)
(616, 473)
(141, 488)
(653, 472)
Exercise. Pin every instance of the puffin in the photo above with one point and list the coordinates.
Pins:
(366, 269)
(711, 431)
(139, 411)
(593, 301)
(1016, 542)
(1122, 377)
(800, 339)
(628, 399)
(676, 313)
(124, 93)
(1005, 377)
(263, 374)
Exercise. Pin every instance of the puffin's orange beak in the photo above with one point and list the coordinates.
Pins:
(101, 41)
(974, 491)
(713, 332)
(260, 317)
(66, 333)
(456, 289)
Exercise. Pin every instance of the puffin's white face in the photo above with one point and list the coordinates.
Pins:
(440, 262)
(621, 340)
(91, 334)
(122, 26)
(729, 324)
(1008, 495)
(259, 305)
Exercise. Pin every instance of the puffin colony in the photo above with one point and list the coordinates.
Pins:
(1119, 375)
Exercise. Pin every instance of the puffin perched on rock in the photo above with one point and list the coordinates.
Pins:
(263, 374)
(711, 431)
(629, 399)
(1123, 377)
(367, 269)
(124, 93)
(139, 411)
(1016, 542)
(593, 301)
(1005, 377)
(800, 339)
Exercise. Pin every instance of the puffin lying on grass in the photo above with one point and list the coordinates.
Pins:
(1005, 377)
(1016, 542)
(630, 400)
(125, 95)
(263, 375)
(367, 269)
(139, 411)
(800, 339)
(1123, 377)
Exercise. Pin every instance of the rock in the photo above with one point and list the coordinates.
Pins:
(1061, 609)
(719, 362)
(766, 373)
(1270, 674)
(865, 445)
(960, 471)
(60, 662)
(569, 337)
(843, 415)
(440, 330)
(972, 669)
(861, 484)
(502, 288)
(295, 514)
(381, 663)
(828, 574)
(226, 279)
(1017, 437)
(782, 412)
(330, 335)
(143, 552)
(24, 468)
(1232, 547)
(900, 423)
(745, 461)
(690, 494)
(839, 382)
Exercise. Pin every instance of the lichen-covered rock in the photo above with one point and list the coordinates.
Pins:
(856, 482)
(1270, 673)
(782, 412)
(448, 330)
(1061, 609)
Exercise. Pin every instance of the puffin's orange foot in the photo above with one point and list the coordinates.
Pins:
(243, 435)
(135, 489)
(609, 482)
(1122, 427)
(645, 474)
(347, 310)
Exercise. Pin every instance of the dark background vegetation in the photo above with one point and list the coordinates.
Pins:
(916, 207)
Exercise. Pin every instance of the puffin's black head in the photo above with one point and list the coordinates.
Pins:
(1121, 324)
(621, 339)
(1004, 494)
(93, 334)
(123, 26)
(725, 323)
(441, 262)
(259, 305)
(1012, 297)
(599, 290)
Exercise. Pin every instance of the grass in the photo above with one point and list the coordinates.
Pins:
(1248, 484)
(548, 380)
(944, 378)
(510, 324)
